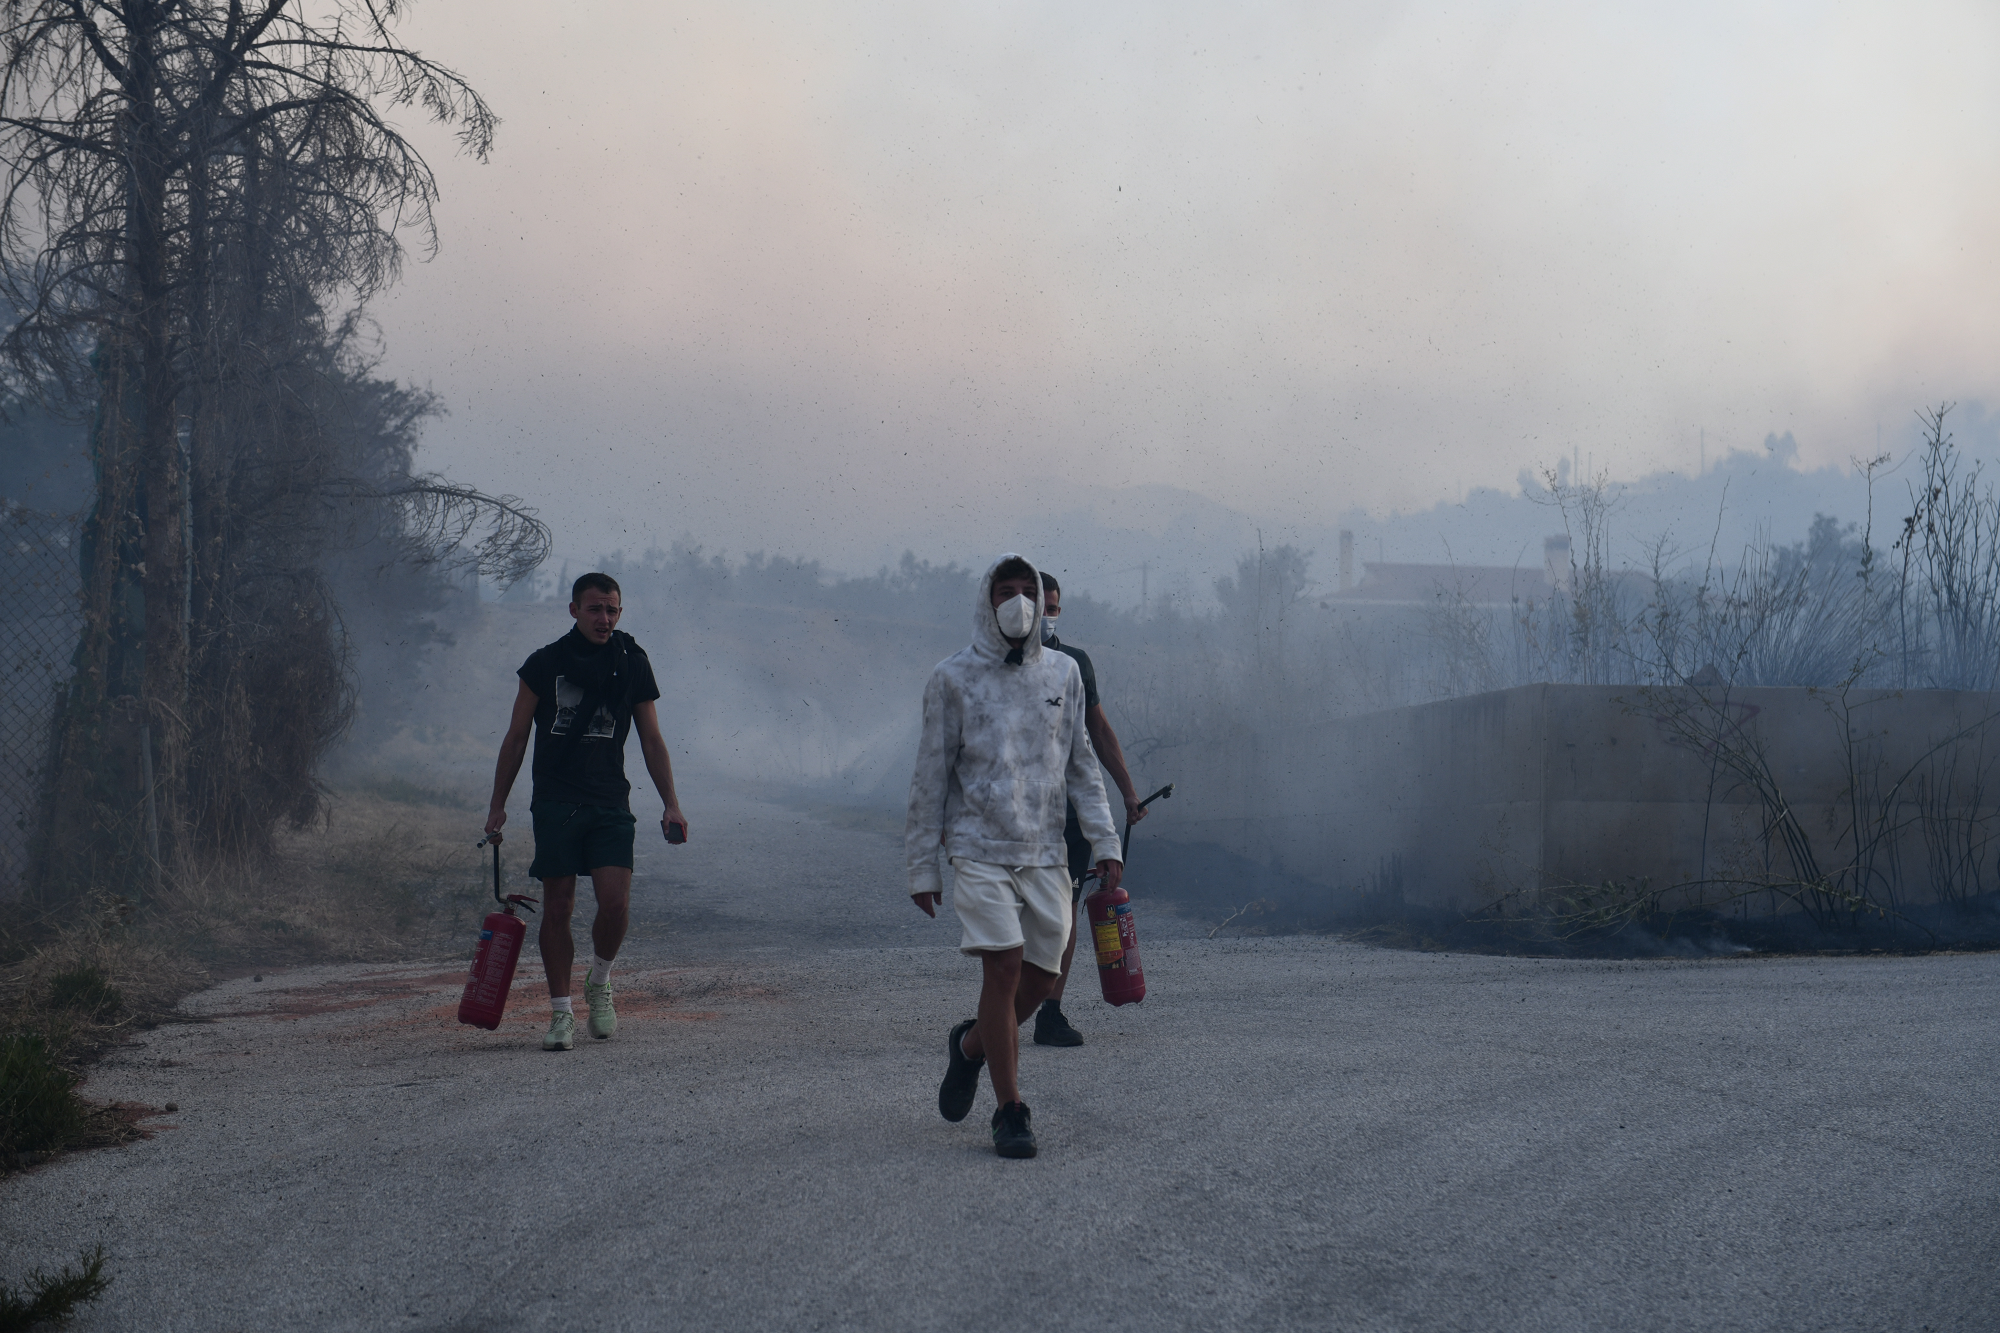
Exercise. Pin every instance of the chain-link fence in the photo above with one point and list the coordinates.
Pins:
(39, 584)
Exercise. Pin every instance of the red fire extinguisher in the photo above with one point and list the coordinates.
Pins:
(1116, 934)
(500, 936)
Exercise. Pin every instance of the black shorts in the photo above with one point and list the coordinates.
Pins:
(1078, 847)
(577, 839)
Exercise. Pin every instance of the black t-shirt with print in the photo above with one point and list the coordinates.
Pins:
(585, 766)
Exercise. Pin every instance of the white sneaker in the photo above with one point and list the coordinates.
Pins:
(603, 1018)
(561, 1035)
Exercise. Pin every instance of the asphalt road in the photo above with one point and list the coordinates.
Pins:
(1290, 1133)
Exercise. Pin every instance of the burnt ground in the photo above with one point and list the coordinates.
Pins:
(1209, 883)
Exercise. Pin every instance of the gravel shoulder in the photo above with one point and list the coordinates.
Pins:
(1289, 1133)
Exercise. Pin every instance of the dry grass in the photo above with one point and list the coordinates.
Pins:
(81, 990)
(391, 873)
(380, 879)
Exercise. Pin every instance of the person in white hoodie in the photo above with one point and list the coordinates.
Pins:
(1004, 751)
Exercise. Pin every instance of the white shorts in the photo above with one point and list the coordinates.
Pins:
(1013, 907)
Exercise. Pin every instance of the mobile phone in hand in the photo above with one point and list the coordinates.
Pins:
(677, 833)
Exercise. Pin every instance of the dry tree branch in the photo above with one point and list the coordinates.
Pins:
(439, 519)
(1233, 915)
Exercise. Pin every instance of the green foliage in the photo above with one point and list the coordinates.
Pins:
(46, 1299)
(687, 577)
(39, 1108)
(85, 990)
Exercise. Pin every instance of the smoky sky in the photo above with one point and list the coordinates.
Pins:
(842, 279)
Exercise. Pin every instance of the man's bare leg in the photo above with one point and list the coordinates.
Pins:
(613, 888)
(558, 949)
(1052, 1026)
(1009, 991)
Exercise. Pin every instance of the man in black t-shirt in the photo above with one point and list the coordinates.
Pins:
(580, 697)
(1051, 1027)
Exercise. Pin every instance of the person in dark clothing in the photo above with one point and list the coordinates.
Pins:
(581, 697)
(1052, 1028)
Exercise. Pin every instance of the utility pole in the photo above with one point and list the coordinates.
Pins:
(1142, 569)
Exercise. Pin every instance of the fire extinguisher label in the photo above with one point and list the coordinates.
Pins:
(485, 935)
(1116, 933)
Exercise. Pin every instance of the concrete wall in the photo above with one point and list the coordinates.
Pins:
(1544, 786)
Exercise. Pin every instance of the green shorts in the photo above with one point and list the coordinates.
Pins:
(577, 839)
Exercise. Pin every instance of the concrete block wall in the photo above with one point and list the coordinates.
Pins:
(1522, 791)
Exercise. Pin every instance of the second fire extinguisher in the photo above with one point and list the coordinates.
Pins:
(500, 937)
(1116, 935)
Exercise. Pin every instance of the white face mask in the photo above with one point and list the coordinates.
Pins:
(1048, 627)
(1016, 616)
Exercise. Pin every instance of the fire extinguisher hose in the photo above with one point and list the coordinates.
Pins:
(1125, 842)
(1165, 793)
(507, 900)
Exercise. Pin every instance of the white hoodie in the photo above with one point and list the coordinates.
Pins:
(1004, 745)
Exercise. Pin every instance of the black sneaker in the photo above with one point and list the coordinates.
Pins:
(1011, 1135)
(961, 1077)
(1052, 1029)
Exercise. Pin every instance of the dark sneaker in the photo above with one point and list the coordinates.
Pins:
(1052, 1029)
(1011, 1135)
(961, 1077)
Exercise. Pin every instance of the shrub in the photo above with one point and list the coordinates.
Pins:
(39, 1108)
(50, 1298)
(85, 990)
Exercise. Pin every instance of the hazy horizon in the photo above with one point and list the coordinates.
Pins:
(844, 282)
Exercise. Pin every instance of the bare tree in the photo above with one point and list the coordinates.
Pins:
(1947, 596)
(199, 196)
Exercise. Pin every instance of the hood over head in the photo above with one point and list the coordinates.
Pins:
(987, 640)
